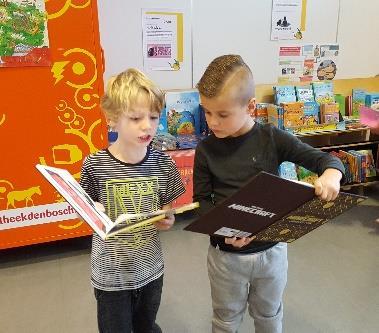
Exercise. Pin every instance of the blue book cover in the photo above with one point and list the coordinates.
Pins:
(162, 127)
(323, 92)
(372, 101)
(305, 94)
(311, 113)
(359, 99)
(284, 94)
(287, 170)
(183, 112)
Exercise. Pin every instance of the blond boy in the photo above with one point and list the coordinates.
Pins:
(130, 177)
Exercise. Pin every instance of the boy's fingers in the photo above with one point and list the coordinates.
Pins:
(318, 187)
(230, 240)
(165, 223)
(239, 242)
(99, 206)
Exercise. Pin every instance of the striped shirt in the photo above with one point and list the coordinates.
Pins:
(129, 260)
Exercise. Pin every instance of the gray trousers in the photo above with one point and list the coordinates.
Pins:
(255, 280)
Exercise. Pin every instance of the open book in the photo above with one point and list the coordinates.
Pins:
(272, 209)
(75, 195)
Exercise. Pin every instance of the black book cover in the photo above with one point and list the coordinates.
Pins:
(273, 209)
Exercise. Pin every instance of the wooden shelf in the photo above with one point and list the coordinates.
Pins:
(352, 145)
(336, 138)
(369, 182)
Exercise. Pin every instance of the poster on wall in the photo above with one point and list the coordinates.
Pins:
(23, 33)
(162, 40)
(288, 19)
(310, 62)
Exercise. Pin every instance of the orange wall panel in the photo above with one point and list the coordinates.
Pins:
(50, 115)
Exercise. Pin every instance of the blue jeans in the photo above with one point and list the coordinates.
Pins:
(256, 281)
(129, 311)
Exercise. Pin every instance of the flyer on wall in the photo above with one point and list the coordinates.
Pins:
(288, 19)
(162, 34)
(310, 62)
(23, 34)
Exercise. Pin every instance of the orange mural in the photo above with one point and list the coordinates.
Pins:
(50, 115)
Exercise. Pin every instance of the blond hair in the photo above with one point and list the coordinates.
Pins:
(223, 73)
(123, 90)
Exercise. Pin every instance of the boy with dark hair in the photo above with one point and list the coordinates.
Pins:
(244, 272)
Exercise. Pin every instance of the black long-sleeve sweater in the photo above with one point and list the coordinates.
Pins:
(222, 166)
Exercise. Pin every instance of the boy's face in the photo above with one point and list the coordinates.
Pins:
(226, 117)
(137, 126)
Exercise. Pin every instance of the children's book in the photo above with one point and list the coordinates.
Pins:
(275, 115)
(272, 209)
(260, 113)
(288, 170)
(293, 113)
(359, 162)
(88, 210)
(305, 175)
(311, 113)
(352, 166)
(323, 92)
(358, 100)
(348, 106)
(342, 156)
(370, 164)
(329, 113)
(284, 94)
(372, 101)
(304, 93)
(183, 112)
(341, 100)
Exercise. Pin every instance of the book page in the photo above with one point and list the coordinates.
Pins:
(74, 194)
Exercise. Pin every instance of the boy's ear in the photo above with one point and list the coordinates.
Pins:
(251, 106)
(111, 123)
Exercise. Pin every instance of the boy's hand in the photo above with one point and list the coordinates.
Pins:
(239, 242)
(327, 186)
(165, 223)
(100, 207)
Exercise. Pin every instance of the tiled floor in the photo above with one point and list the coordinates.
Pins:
(333, 282)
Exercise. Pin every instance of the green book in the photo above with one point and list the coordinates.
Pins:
(340, 99)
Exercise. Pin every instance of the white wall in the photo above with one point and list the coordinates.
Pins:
(358, 35)
(121, 38)
(243, 27)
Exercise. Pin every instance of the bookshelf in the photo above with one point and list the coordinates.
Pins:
(355, 139)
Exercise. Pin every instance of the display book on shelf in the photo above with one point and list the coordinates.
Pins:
(272, 208)
(305, 108)
(182, 119)
(90, 212)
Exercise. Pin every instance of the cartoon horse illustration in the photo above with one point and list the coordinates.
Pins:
(26, 195)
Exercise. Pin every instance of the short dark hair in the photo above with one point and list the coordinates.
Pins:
(217, 73)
